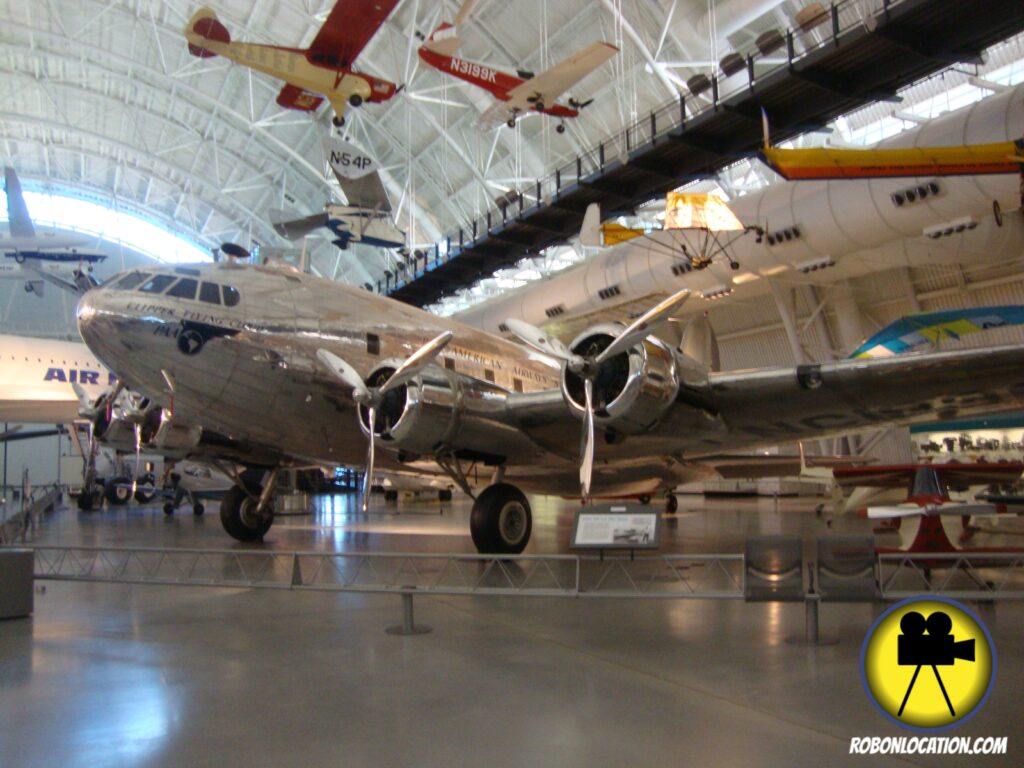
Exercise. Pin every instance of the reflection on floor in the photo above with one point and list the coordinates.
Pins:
(120, 675)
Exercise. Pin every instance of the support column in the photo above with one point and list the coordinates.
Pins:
(782, 303)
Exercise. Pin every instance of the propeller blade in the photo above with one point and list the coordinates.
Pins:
(534, 337)
(368, 477)
(345, 373)
(138, 457)
(644, 325)
(416, 362)
(587, 447)
(86, 408)
(883, 512)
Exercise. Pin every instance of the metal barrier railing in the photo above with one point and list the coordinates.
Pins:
(966, 576)
(17, 525)
(666, 576)
(960, 575)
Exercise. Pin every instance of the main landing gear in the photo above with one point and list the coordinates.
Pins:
(500, 522)
(247, 509)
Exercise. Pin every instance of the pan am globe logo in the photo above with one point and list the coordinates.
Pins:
(928, 663)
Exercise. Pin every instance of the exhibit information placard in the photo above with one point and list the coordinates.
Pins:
(616, 527)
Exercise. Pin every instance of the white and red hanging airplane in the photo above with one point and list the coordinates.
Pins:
(516, 94)
(324, 70)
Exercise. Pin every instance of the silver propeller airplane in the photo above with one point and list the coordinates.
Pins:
(276, 368)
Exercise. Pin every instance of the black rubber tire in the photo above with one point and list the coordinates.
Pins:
(144, 497)
(492, 530)
(355, 100)
(444, 495)
(118, 491)
(198, 509)
(644, 499)
(560, 128)
(168, 508)
(390, 495)
(338, 121)
(232, 519)
(511, 123)
(671, 504)
(87, 500)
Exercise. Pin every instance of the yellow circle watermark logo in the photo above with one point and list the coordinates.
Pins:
(928, 663)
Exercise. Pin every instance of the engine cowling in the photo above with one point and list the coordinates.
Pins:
(418, 416)
(163, 433)
(632, 389)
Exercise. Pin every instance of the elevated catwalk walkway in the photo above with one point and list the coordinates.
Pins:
(858, 52)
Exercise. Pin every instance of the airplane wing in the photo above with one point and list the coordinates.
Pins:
(955, 475)
(293, 97)
(914, 331)
(553, 82)
(851, 395)
(349, 27)
(77, 287)
(17, 211)
(293, 229)
(828, 163)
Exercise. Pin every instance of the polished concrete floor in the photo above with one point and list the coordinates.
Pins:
(196, 676)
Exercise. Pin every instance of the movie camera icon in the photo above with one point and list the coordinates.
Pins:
(936, 649)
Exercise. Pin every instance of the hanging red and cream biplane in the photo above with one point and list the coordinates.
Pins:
(324, 70)
(516, 94)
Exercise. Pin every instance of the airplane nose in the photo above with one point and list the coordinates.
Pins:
(86, 312)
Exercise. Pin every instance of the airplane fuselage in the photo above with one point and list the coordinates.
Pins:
(36, 378)
(293, 66)
(492, 80)
(250, 371)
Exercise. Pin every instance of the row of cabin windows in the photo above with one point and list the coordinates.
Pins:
(179, 288)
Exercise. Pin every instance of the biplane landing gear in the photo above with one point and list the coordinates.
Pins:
(500, 522)
(338, 121)
(511, 122)
(355, 100)
(560, 128)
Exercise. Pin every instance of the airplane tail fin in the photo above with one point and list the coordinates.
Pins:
(204, 25)
(699, 343)
(17, 212)
(590, 232)
(445, 40)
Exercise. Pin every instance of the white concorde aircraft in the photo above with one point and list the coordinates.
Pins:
(285, 369)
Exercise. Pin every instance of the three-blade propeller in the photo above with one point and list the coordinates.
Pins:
(588, 366)
(372, 397)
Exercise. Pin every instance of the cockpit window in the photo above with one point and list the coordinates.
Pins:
(157, 284)
(129, 281)
(184, 288)
(231, 296)
(210, 293)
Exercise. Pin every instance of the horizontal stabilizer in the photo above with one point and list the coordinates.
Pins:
(444, 41)
(293, 97)
(204, 25)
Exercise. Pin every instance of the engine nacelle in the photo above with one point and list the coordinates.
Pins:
(631, 390)
(161, 432)
(419, 416)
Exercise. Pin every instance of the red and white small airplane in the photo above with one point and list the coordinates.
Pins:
(517, 95)
(324, 70)
(929, 520)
